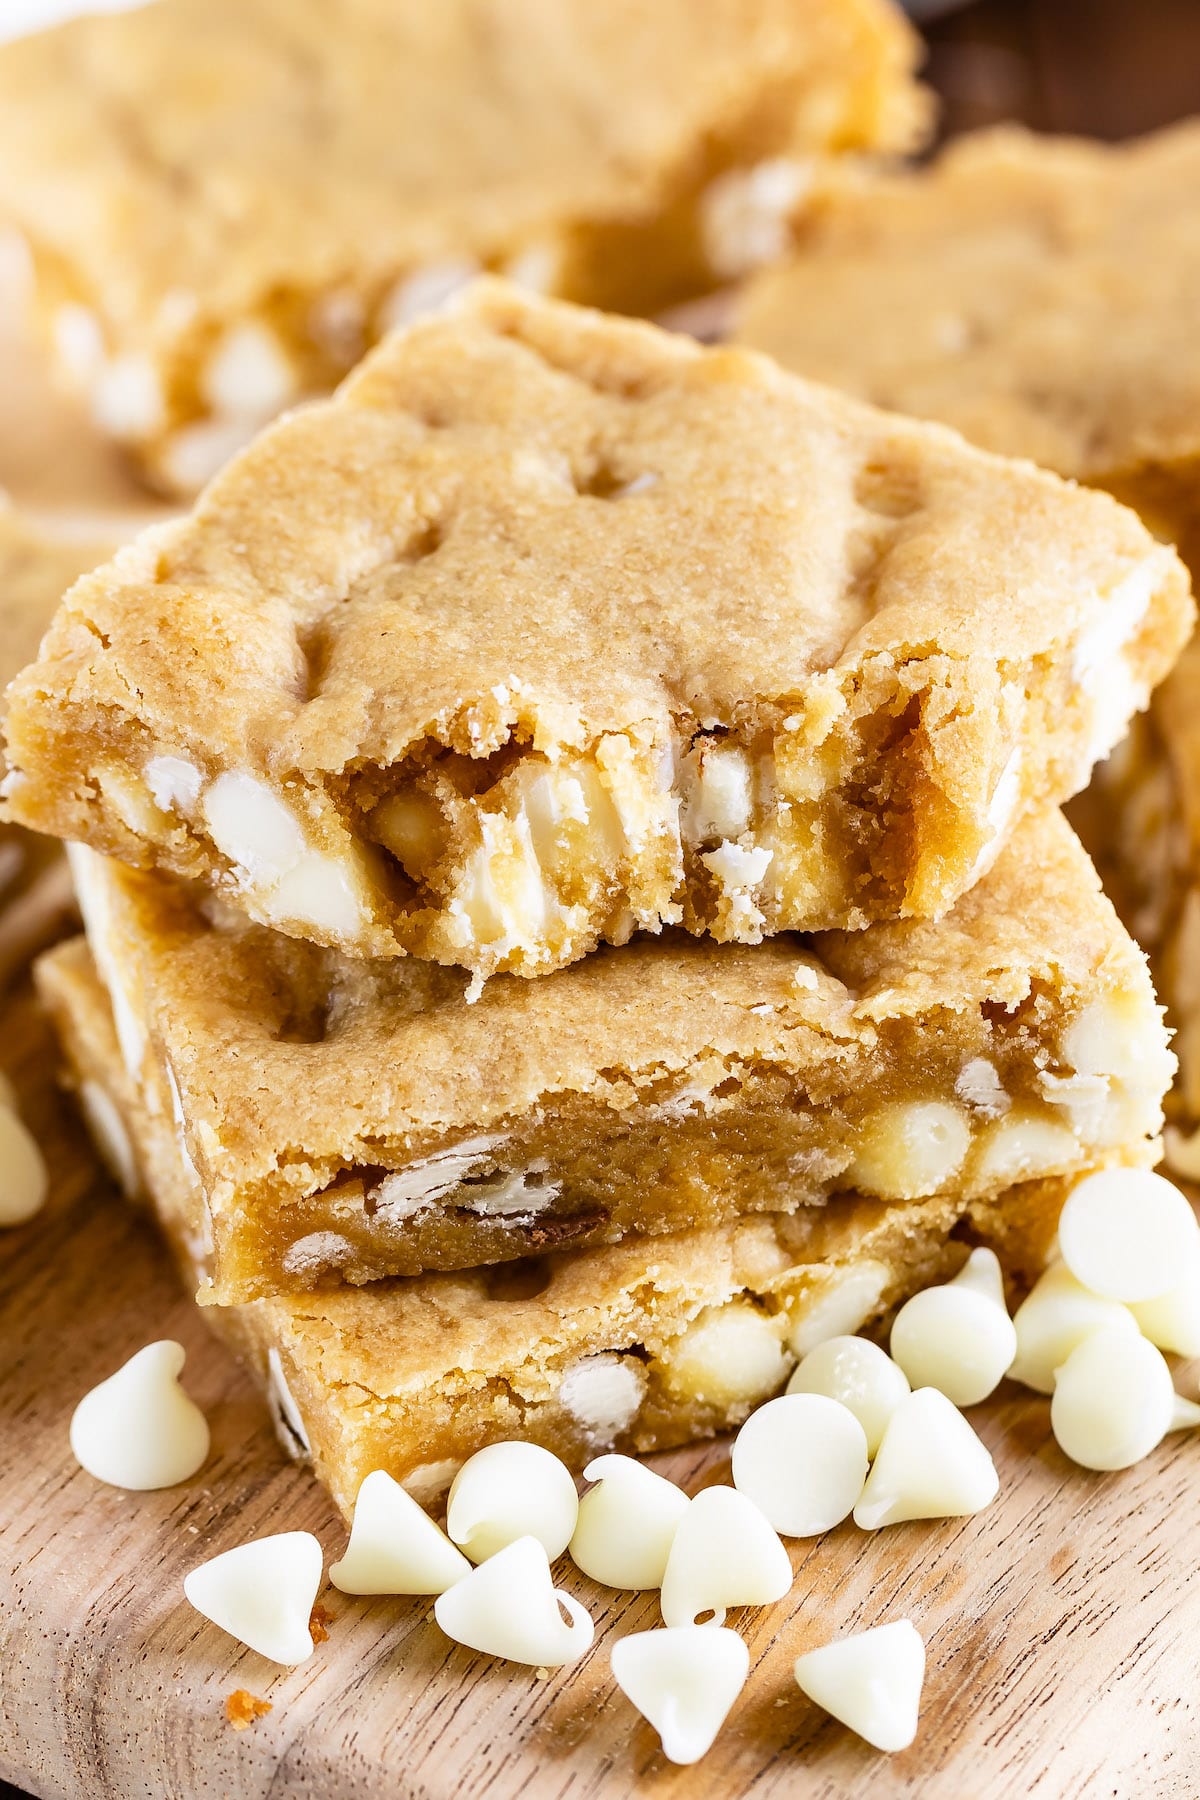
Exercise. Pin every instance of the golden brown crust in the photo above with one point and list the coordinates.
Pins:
(353, 1120)
(1041, 296)
(414, 1376)
(530, 539)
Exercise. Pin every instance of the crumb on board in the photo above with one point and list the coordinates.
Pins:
(318, 1624)
(242, 1708)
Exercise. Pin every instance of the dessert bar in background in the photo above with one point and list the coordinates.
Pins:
(636, 1347)
(304, 175)
(355, 1120)
(554, 626)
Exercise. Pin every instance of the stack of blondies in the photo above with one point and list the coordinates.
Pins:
(576, 908)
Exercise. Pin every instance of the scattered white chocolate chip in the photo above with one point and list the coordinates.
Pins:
(174, 783)
(725, 1553)
(109, 1135)
(1128, 1234)
(729, 1355)
(395, 1547)
(511, 1491)
(1172, 1320)
(23, 1182)
(1059, 1313)
(603, 1393)
(1113, 1401)
(930, 1465)
(958, 1337)
(139, 1429)
(423, 291)
(859, 1374)
(684, 1681)
(871, 1682)
(803, 1460)
(127, 399)
(262, 1593)
(627, 1523)
(510, 1607)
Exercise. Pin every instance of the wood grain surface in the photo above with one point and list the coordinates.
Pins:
(1063, 1623)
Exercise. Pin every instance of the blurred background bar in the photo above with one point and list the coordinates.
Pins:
(1110, 68)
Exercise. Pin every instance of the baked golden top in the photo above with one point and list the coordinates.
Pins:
(1040, 294)
(248, 146)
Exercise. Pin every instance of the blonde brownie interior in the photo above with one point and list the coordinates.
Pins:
(350, 1120)
(554, 626)
(310, 175)
(635, 1347)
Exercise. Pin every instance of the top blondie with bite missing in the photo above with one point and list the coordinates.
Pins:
(220, 229)
(553, 626)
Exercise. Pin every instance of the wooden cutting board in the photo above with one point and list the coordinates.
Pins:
(1063, 1623)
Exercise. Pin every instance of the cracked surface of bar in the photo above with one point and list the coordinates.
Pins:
(351, 1120)
(635, 1348)
(217, 235)
(553, 626)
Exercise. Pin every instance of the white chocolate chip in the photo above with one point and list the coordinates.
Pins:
(844, 1301)
(127, 399)
(860, 1375)
(1128, 1234)
(78, 344)
(251, 826)
(1099, 670)
(979, 1086)
(1022, 1145)
(718, 791)
(174, 783)
(910, 1148)
(248, 375)
(1172, 1320)
(510, 1491)
(409, 1190)
(803, 1460)
(737, 872)
(930, 1465)
(425, 291)
(510, 1607)
(725, 1553)
(139, 1429)
(95, 903)
(958, 1337)
(23, 1179)
(684, 1682)
(603, 1393)
(429, 1481)
(1059, 1313)
(262, 1593)
(1113, 1401)
(744, 214)
(318, 893)
(729, 1355)
(871, 1682)
(318, 1251)
(538, 268)
(109, 1135)
(627, 1523)
(395, 1547)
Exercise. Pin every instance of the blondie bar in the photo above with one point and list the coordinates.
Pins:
(635, 1347)
(554, 626)
(353, 1120)
(243, 194)
(1042, 296)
